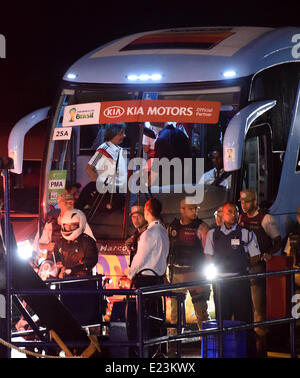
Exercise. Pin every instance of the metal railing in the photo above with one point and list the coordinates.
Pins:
(220, 330)
(167, 290)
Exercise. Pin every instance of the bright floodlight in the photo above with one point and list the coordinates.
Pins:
(210, 272)
(24, 249)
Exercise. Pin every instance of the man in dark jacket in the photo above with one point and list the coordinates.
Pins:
(76, 254)
(186, 258)
(269, 240)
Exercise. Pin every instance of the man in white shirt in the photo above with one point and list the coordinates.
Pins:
(153, 248)
(216, 176)
(107, 166)
(149, 265)
(107, 171)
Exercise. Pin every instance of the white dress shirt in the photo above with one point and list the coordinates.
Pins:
(210, 176)
(152, 251)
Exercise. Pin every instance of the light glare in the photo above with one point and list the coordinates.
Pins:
(25, 249)
(144, 77)
(229, 74)
(71, 76)
(210, 272)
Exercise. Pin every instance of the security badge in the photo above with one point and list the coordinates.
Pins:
(173, 233)
(235, 243)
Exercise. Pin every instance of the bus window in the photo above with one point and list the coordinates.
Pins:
(258, 168)
(278, 83)
(73, 155)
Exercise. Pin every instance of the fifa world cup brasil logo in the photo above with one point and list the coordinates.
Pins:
(72, 114)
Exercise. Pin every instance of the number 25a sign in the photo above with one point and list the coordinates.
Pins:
(62, 133)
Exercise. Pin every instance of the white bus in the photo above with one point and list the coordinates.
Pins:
(241, 86)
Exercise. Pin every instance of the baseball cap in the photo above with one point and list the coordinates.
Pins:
(66, 197)
(137, 209)
(247, 195)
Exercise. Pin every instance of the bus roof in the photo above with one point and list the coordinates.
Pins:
(185, 55)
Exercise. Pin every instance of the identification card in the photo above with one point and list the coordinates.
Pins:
(235, 242)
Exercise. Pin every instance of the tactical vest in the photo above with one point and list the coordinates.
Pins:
(295, 245)
(186, 248)
(229, 251)
(254, 224)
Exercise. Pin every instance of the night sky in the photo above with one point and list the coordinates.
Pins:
(43, 39)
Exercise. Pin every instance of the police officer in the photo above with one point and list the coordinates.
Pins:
(234, 250)
(140, 223)
(292, 247)
(187, 239)
(269, 240)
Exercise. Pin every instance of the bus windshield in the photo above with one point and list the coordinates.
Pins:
(69, 157)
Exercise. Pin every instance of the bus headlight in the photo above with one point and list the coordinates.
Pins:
(25, 249)
(210, 272)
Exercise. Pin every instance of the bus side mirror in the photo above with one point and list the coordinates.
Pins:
(236, 132)
(17, 136)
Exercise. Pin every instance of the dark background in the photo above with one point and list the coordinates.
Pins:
(43, 39)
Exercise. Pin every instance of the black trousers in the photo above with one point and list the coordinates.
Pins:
(152, 310)
(85, 307)
(91, 197)
(236, 301)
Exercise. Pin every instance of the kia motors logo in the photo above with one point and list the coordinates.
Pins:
(114, 111)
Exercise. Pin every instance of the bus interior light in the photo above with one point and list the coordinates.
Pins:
(144, 77)
(229, 74)
(71, 76)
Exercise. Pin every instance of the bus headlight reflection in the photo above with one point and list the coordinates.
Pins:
(210, 272)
